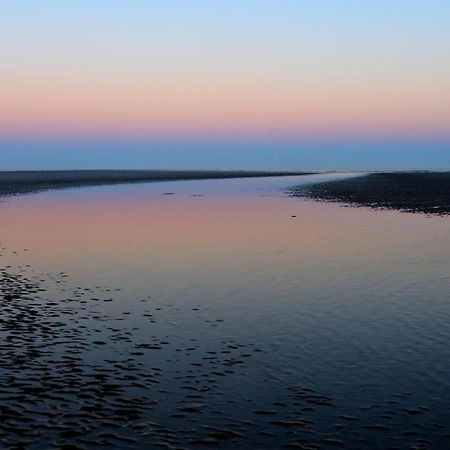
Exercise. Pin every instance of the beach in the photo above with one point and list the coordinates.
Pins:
(414, 192)
(225, 314)
(224, 225)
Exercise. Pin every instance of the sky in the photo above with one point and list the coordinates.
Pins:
(332, 84)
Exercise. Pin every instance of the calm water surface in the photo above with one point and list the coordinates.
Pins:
(252, 307)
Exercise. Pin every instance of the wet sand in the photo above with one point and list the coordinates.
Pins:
(76, 372)
(25, 182)
(73, 377)
(414, 192)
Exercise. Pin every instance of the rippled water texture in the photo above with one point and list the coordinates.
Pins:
(221, 313)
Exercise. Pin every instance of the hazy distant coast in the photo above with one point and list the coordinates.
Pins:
(25, 182)
(419, 192)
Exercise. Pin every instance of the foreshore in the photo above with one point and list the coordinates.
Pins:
(414, 192)
(25, 182)
(103, 348)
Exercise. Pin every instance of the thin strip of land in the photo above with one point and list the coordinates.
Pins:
(416, 192)
(26, 182)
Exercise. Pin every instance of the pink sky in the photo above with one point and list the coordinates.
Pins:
(271, 69)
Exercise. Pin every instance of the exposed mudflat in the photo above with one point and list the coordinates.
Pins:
(24, 182)
(415, 192)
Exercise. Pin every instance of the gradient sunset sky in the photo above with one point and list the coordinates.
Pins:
(224, 84)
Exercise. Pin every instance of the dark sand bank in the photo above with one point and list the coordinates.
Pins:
(418, 192)
(25, 182)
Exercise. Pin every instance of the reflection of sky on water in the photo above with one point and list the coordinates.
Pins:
(339, 298)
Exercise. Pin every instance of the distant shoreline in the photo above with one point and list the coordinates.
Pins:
(14, 183)
(414, 192)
